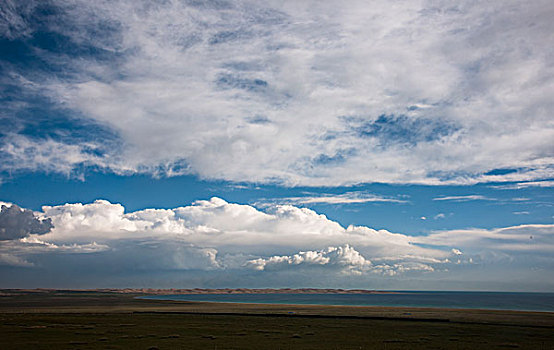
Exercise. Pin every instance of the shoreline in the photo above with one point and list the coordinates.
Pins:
(165, 296)
(437, 300)
(399, 307)
(98, 320)
(186, 291)
(171, 291)
(88, 302)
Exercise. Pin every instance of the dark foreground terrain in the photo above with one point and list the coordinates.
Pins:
(100, 320)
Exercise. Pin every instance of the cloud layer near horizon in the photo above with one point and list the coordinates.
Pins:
(215, 236)
(301, 93)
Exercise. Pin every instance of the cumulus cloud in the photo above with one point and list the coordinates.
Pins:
(214, 235)
(301, 93)
(211, 234)
(217, 223)
(16, 222)
(233, 227)
(345, 258)
(240, 244)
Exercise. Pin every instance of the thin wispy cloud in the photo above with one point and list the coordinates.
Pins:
(520, 199)
(475, 197)
(345, 198)
(521, 238)
(464, 198)
(530, 184)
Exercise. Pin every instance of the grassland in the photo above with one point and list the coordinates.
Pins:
(107, 320)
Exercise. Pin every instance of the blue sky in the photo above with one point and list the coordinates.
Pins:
(399, 208)
(403, 145)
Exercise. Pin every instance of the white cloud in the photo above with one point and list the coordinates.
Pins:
(464, 198)
(241, 243)
(536, 239)
(520, 199)
(214, 234)
(395, 269)
(345, 258)
(345, 198)
(16, 252)
(34, 244)
(215, 223)
(14, 260)
(23, 153)
(303, 93)
(521, 185)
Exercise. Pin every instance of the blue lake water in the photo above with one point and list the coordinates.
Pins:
(461, 300)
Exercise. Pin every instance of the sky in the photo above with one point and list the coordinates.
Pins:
(395, 145)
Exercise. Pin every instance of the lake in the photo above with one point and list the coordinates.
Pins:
(460, 300)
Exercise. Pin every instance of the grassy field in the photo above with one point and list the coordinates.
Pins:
(63, 320)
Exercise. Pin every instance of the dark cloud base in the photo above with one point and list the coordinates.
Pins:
(16, 223)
